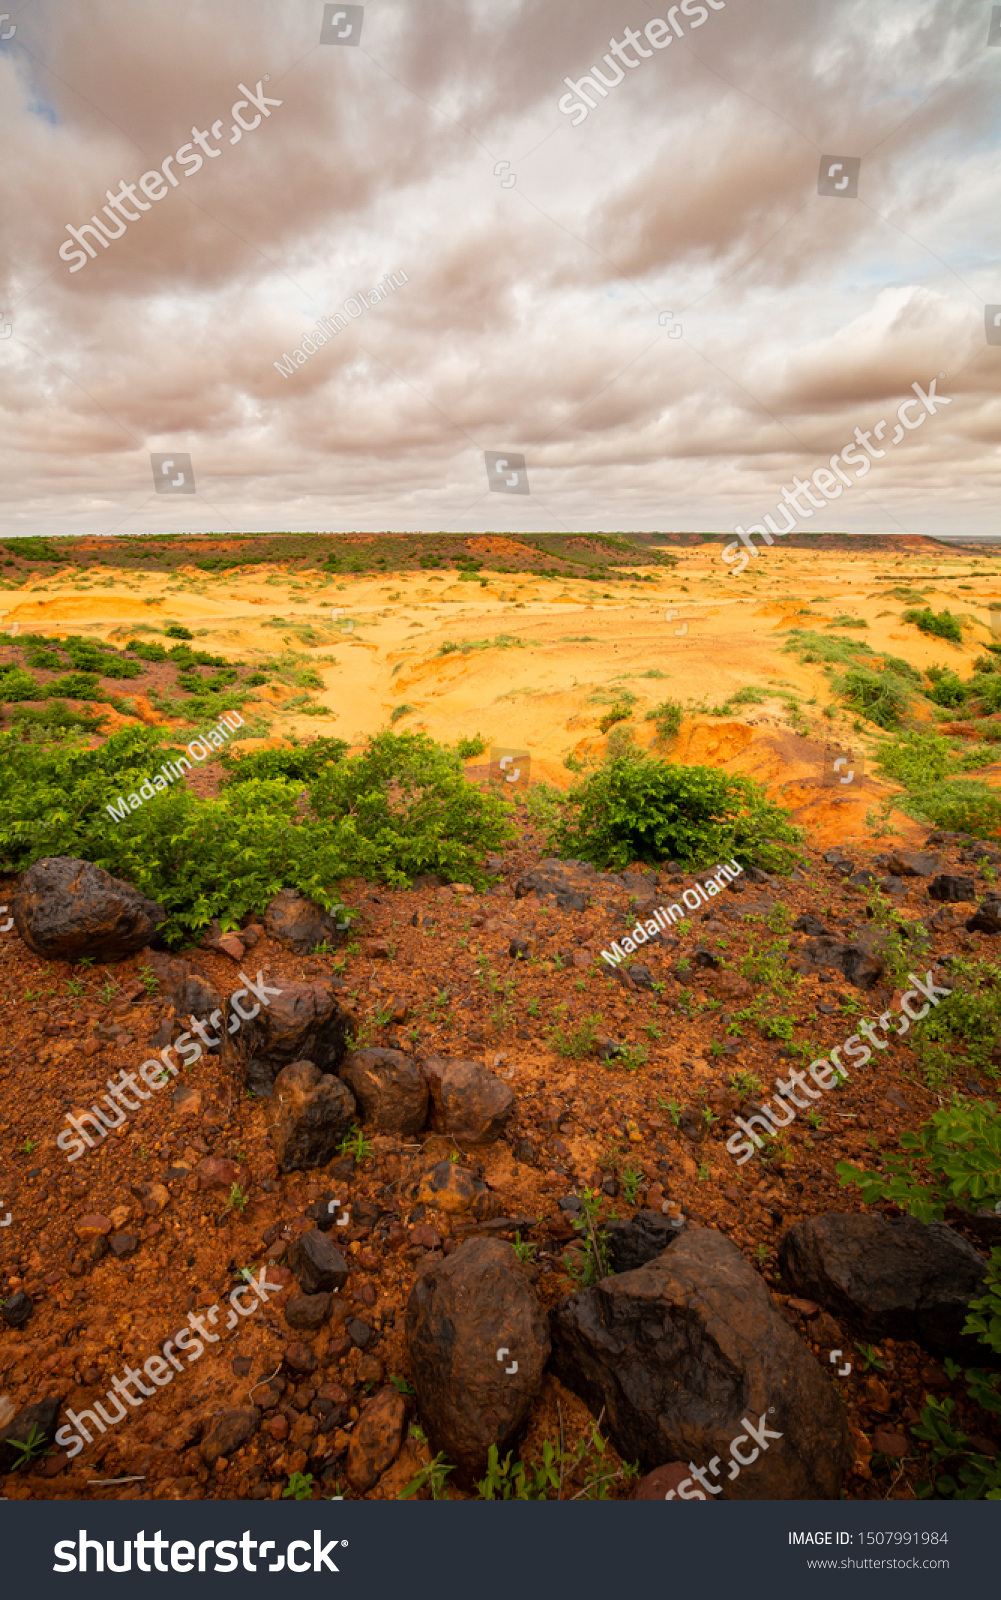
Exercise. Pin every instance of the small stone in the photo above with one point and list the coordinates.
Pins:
(317, 1264)
(377, 1439)
(299, 1358)
(229, 1431)
(186, 1102)
(888, 1442)
(93, 1226)
(376, 949)
(307, 1311)
(124, 1244)
(16, 1309)
(278, 1428)
(359, 1332)
(215, 1172)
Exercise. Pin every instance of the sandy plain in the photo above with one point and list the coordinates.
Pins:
(534, 664)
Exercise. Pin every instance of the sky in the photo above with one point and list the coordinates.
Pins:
(654, 304)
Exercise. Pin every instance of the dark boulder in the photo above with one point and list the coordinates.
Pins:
(952, 890)
(64, 909)
(299, 1022)
(478, 1345)
(308, 1116)
(900, 1279)
(391, 1092)
(687, 1355)
(297, 922)
(468, 1101)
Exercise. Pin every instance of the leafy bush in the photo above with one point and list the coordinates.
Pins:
(77, 685)
(948, 689)
(147, 652)
(955, 1158)
(637, 809)
(620, 712)
(940, 624)
(403, 806)
(467, 749)
(302, 763)
(56, 715)
(668, 717)
(880, 697)
(175, 631)
(400, 807)
(16, 684)
(921, 760)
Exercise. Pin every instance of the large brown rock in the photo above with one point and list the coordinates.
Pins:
(903, 1279)
(307, 1117)
(860, 960)
(683, 1353)
(389, 1089)
(303, 1022)
(468, 1102)
(297, 922)
(64, 909)
(469, 1319)
(377, 1439)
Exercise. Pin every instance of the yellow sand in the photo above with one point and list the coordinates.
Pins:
(728, 633)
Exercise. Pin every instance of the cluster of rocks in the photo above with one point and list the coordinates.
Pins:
(682, 1343)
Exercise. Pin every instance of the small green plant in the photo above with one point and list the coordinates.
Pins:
(524, 1249)
(597, 1260)
(31, 1449)
(533, 1006)
(149, 980)
(356, 1145)
(237, 1199)
(631, 1178)
(300, 1487)
(577, 1041)
(870, 1358)
(401, 1385)
(632, 1057)
(954, 1158)
(747, 1084)
(29, 1145)
(674, 1109)
(705, 1172)
(505, 1481)
(432, 1476)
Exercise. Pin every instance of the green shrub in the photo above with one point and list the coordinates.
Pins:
(147, 652)
(940, 624)
(300, 764)
(175, 631)
(398, 712)
(638, 809)
(955, 1158)
(947, 688)
(76, 685)
(620, 712)
(403, 807)
(880, 697)
(668, 718)
(467, 749)
(56, 715)
(16, 684)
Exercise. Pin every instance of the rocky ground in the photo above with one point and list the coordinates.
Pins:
(497, 1069)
